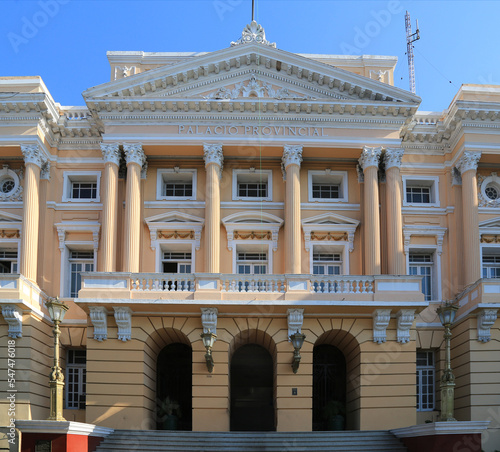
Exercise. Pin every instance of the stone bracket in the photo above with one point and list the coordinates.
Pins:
(381, 319)
(98, 317)
(209, 320)
(295, 321)
(405, 321)
(123, 318)
(14, 318)
(485, 320)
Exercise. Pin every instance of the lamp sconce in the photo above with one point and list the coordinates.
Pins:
(208, 342)
(297, 342)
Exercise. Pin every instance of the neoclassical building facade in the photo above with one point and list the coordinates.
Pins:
(251, 193)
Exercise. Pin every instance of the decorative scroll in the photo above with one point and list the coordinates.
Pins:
(253, 33)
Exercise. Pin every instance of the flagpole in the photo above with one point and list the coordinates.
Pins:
(253, 10)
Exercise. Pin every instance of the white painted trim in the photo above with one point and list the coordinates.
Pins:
(434, 190)
(343, 186)
(77, 176)
(253, 205)
(330, 206)
(250, 243)
(85, 206)
(160, 181)
(442, 428)
(163, 243)
(238, 172)
(436, 276)
(62, 427)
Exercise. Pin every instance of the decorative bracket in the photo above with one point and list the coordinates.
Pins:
(405, 321)
(381, 319)
(295, 321)
(209, 320)
(123, 318)
(485, 320)
(14, 318)
(99, 318)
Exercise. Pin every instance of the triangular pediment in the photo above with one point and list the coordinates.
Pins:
(493, 223)
(172, 219)
(244, 72)
(251, 218)
(9, 219)
(329, 219)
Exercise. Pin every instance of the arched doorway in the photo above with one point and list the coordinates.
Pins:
(174, 387)
(329, 388)
(252, 380)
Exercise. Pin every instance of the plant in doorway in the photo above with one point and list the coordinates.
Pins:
(334, 415)
(169, 413)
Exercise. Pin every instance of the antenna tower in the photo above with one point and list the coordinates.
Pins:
(410, 39)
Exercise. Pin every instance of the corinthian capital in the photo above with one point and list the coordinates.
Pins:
(32, 154)
(292, 154)
(369, 157)
(212, 153)
(468, 161)
(393, 157)
(111, 152)
(134, 153)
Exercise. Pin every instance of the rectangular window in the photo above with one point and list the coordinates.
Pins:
(251, 263)
(252, 184)
(252, 190)
(421, 190)
(327, 186)
(327, 264)
(176, 184)
(8, 261)
(84, 190)
(425, 380)
(176, 262)
(419, 195)
(76, 379)
(79, 262)
(491, 266)
(422, 265)
(326, 191)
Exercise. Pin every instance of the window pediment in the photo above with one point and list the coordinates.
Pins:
(329, 227)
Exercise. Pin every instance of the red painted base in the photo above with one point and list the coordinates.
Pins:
(61, 442)
(443, 443)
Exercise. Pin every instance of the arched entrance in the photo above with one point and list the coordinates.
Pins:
(329, 388)
(174, 387)
(252, 380)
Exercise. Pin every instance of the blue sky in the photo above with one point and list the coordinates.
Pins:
(65, 41)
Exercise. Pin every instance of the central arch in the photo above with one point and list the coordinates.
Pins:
(252, 389)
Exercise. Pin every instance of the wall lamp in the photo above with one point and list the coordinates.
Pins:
(208, 342)
(297, 342)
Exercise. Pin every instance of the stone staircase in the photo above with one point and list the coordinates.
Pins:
(159, 441)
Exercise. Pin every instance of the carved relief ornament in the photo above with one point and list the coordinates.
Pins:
(253, 33)
(212, 153)
(134, 153)
(370, 157)
(393, 157)
(292, 155)
(468, 161)
(111, 153)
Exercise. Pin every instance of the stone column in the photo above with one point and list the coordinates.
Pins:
(31, 209)
(368, 162)
(135, 158)
(395, 255)
(212, 153)
(292, 157)
(472, 255)
(111, 155)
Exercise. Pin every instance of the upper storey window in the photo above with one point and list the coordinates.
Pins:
(327, 186)
(8, 260)
(252, 185)
(176, 184)
(421, 190)
(83, 186)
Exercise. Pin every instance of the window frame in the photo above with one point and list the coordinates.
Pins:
(243, 172)
(70, 177)
(252, 246)
(343, 185)
(70, 246)
(160, 182)
(71, 261)
(82, 369)
(488, 249)
(419, 384)
(330, 248)
(421, 264)
(12, 244)
(436, 289)
(172, 246)
(425, 181)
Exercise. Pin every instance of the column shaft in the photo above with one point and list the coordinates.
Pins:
(292, 220)
(29, 236)
(472, 252)
(212, 219)
(395, 253)
(132, 218)
(109, 217)
(372, 222)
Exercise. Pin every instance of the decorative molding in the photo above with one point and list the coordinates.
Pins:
(253, 33)
(123, 318)
(99, 318)
(468, 161)
(456, 177)
(14, 318)
(45, 170)
(209, 320)
(483, 182)
(212, 153)
(16, 191)
(32, 153)
(134, 153)
(381, 319)
(379, 75)
(111, 153)
(370, 157)
(292, 155)
(405, 318)
(424, 230)
(361, 175)
(295, 321)
(393, 157)
(83, 226)
(124, 71)
(485, 320)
